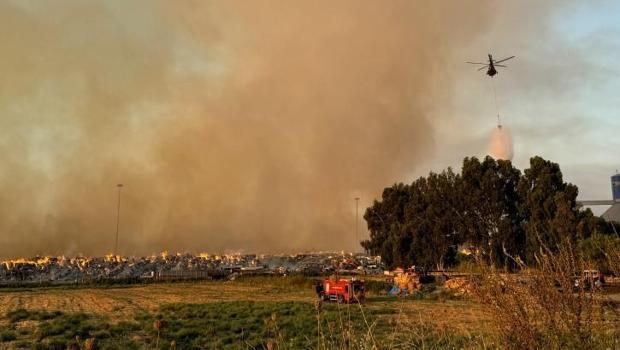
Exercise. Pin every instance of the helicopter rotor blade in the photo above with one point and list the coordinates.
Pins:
(505, 59)
(500, 65)
(484, 67)
(476, 63)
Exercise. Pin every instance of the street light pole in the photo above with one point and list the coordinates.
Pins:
(118, 217)
(357, 238)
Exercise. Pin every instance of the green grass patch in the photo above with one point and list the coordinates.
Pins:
(233, 325)
(245, 324)
(7, 336)
(377, 287)
(58, 330)
(277, 283)
(31, 315)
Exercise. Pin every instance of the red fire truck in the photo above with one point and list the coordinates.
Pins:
(343, 290)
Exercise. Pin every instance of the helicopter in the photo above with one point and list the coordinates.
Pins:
(491, 71)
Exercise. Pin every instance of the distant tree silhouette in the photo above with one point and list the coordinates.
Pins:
(385, 220)
(490, 205)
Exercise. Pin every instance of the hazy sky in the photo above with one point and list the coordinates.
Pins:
(253, 125)
(558, 97)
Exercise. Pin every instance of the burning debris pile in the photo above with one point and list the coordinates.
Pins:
(179, 266)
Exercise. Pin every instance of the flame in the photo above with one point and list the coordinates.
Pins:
(38, 261)
(113, 258)
(107, 265)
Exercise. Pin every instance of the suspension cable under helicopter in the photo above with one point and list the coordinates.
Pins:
(496, 107)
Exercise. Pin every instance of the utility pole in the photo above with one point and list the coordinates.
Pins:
(118, 217)
(357, 237)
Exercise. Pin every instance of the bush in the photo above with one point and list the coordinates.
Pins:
(18, 315)
(7, 336)
(377, 287)
(424, 336)
(541, 308)
(31, 315)
(22, 344)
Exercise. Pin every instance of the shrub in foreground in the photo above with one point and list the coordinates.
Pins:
(550, 305)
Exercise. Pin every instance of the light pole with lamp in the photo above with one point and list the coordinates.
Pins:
(357, 238)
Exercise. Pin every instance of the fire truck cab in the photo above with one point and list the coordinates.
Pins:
(343, 290)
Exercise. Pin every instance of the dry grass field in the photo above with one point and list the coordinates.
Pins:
(242, 314)
(126, 300)
(121, 316)
(123, 302)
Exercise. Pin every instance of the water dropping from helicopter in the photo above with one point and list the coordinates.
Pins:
(500, 144)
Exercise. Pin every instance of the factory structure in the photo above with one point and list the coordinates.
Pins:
(613, 213)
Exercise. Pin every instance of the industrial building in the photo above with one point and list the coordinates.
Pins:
(613, 213)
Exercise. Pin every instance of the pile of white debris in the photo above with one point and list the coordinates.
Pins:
(164, 266)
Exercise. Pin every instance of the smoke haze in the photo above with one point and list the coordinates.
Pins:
(232, 125)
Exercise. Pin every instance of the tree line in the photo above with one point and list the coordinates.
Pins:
(502, 213)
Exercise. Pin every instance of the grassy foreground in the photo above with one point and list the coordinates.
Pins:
(255, 313)
(229, 325)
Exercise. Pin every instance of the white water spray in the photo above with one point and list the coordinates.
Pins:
(500, 144)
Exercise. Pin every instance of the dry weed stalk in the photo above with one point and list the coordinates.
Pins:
(157, 325)
(612, 253)
(89, 344)
(551, 305)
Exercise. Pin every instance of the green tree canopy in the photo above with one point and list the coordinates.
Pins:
(490, 205)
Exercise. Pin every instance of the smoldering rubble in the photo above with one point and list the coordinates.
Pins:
(164, 266)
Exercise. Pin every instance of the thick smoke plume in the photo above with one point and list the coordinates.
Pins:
(500, 145)
(232, 125)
